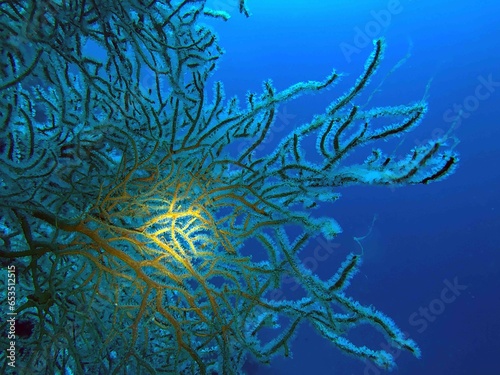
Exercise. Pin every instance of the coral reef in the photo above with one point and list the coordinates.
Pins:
(125, 207)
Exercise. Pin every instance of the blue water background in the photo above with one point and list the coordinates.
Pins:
(424, 237)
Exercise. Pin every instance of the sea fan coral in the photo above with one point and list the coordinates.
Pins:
(125, 210)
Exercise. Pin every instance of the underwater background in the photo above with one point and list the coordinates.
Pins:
(429, 251)
(425, 239)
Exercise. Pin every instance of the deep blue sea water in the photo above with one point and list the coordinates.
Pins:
(431, 258)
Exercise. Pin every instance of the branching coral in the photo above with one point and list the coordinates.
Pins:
(125, 210)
